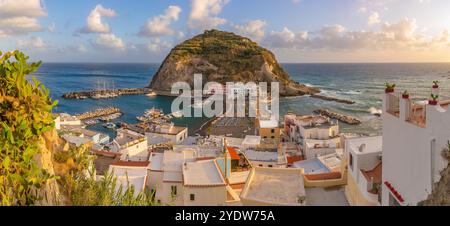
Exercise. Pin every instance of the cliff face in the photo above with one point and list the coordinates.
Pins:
(440, 195)
(224, 57)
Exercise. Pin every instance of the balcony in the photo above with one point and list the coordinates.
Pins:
(417, 113)
(414, 109)
(393, 104)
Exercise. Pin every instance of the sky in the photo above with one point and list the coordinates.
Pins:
(297, 31)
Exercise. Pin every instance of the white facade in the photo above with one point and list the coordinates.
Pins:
(130, 176)
(315, 148)
(180, 178)
(316, 135)
(68, 120)
(167, 134)
(364, 154)
(132, 145)
(412, 146)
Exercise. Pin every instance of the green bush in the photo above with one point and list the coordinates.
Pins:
(24, 116)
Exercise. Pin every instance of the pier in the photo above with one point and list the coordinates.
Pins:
(332, 99)
(99, 113)
(343, 118)
(101, 94)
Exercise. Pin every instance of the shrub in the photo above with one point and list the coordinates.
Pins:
(24, 117)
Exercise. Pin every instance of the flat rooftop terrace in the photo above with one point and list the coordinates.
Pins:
(326, 197)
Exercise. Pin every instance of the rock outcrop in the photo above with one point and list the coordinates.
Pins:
(224, 57)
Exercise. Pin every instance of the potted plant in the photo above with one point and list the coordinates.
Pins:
(435, 84)
(433, 100)
(390, 88)
(405, 95)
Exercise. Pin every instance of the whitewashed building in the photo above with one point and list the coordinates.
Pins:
(274, 187)
(130, 175)
(316, 135)
(132, 145)
(414, 135)
(364, 171)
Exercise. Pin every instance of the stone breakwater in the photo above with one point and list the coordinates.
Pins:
(118, 92)
(343, 118)
(332, 99)
(98, 113)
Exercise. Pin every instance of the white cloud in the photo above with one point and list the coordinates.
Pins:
(254, 29)
(52, 28)
(374, 18)
(362, 9)
(109, 42)
(204, 14)
(32, 43)
(95, 23)
(402, 35)
(160, 25)
(28, 8)
(158, 45)
(18, 17)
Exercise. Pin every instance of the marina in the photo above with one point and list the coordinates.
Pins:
(102, 114)
(106, 94)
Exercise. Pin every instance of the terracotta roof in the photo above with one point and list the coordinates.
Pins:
(131, 164)
(234, 155)
(293, 159)
(375, 173)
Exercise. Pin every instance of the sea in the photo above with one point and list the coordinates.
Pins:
(362, 83)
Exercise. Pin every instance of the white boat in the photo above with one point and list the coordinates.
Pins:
(151, 94)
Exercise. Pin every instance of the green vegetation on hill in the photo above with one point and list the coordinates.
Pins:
(233, 53)
(223, 57)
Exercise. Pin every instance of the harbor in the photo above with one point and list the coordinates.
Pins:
(343, 118)
(107, 93)
(333, 99)
(104, 114)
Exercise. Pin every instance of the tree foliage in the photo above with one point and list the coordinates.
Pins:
(82, 187)
(25, 114)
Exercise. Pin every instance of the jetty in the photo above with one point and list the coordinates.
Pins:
(332, 99)
(99, 113)
(101, 94)
(343, 118)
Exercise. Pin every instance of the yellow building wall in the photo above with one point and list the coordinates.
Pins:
(267, 133)
(354, 195)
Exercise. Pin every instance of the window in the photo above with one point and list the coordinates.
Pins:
(260, 165)
(270, 166)
(192, 197)
(350, 162)
(273, 137)
(173, 190)
(273, 131)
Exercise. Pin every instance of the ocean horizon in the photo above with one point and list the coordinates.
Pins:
(360, 82)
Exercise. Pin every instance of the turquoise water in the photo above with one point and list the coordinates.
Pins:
(363, 83)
